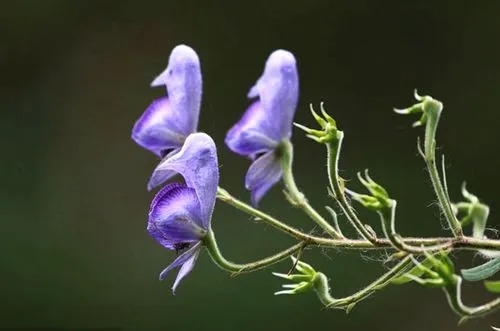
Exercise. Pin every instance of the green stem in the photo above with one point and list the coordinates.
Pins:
(388, 218)
(229, 199)
(322, 288)
(213, 249)
(453, 291)
(297, 197)
(333, 147)
(467, 243)
(433, 108)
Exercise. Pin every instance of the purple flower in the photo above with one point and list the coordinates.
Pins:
(180, 214)
(267, 122)
(167, 121)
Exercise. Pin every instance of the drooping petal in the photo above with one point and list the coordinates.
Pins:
(197, 163)
(278, 90)
(183, 81)
(185, 269)
(174, 216)
(186, 260)
(159, 177)
(157, 129)
(254, 133)
(262, 175)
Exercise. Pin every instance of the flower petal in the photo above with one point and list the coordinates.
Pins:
(160, 176)
(185, 269)
(174, 216)
(278, 90)
(183, 81)
(262, 175)
(197, 163)
(254, 133)
(157, 130)
(186, 260)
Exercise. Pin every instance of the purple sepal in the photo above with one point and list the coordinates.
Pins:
(186, 261)
(263, 173)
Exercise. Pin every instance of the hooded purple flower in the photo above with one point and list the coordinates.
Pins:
(267, 122)
(167, 121)
(180, 214)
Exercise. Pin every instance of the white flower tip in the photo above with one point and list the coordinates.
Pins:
(277, 274)
(160, 79)
(180, 57)
(183, 53)
(280, 62)
(290, 285)
(400, 111)
(416, 95)
(281, 57)
(254, 92)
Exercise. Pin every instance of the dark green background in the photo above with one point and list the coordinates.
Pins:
(74, 76)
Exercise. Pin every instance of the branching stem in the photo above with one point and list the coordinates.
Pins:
(297, 197)
(457, 243)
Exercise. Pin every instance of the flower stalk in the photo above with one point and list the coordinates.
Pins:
(237, 268)
(431, 112)
(296, 196)
(333, 147)
(456, 243)
(308, 278)
(332, 137)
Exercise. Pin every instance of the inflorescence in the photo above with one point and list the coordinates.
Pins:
(180, 214)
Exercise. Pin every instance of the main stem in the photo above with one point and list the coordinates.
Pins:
(298, 197)
(468, 243)
(388, 219)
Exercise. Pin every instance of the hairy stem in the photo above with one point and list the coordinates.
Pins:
(453, 291)
(347, 302)
(237, 268)
(433, 110)
(388, 218)
(297, 197)
(458, 243)
(333, 152)
(229, 199)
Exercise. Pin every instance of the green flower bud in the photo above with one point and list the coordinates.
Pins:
(329, 130)
(427, 106)
(303, 281)
(379, 199)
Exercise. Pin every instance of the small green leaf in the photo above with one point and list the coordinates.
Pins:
(303, 267)
(448, 266)
(483, 271)
(463, 320)
(416, 271)
(479, 214)
(350, 307)
(492, 285)
(294, 277)
(318, 118)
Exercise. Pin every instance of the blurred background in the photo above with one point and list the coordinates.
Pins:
(75, 76)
